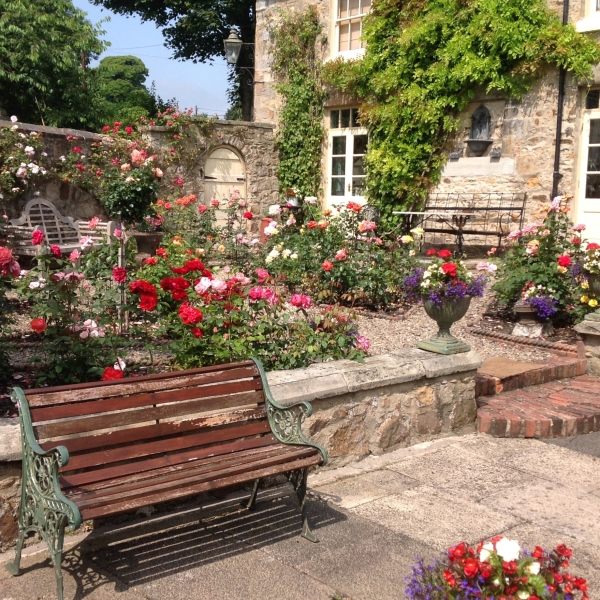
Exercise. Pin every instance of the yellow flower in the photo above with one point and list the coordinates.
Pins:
(593, 303)
(407, 239)
(585, 285)
(584, 299)
(221, 248)
(200, 252)
(418, 231)
(561, 269)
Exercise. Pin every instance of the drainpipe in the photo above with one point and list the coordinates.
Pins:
(556, 175)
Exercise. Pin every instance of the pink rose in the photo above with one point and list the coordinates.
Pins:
(262, 275)
(202, 286)
(74, 256)
(93, 223)
(214, 202)
(341, 254)
(362, 343)
(219, 285)
(6, 255)
(37, 237)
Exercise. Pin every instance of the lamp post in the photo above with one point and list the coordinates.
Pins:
(233, 49)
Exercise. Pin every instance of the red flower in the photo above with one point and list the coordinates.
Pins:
(195, 264)
(162, 252)
(148, 302)
(190, 315)
(111, 374)
(576, 241)
(151, 260)
(563, 550)
(129, 130)
(354, 206)
(471, 567)
(450, 269)
(197, 333)
(37, 237)
(486, 569)
(510, 568)
(80, 167)
(431, 252)
(311, 224)
(38, 325)
(327, 265)
(106, 128)
(147, 292)
(77, 150)
(538, 552)
(119, 274)
(449, 578)
(444, 254)
(248, 215)
(564, 261)
(56, 251)
(168, 205)
(202, 208)
(592, 246)
(180, 270)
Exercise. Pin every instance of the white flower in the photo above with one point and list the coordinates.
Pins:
(14, 119)
(486, 550)
(44, 154)
(120, 364)
(294, 256)
(63, 158)
(202, 285)
(274, 209)
(310, 199)
(534, 568)
(508, 549)
(286, 253)
(523, 594)
(29, 150)
(34, 285)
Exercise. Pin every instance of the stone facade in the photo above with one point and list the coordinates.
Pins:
(254, 142)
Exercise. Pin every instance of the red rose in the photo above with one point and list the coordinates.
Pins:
(190, 315)
(311, 224)
(564, 261)
(129, 130)
(180, 270)
(431, 252)
(327, 265)
(148, 302)
(202, 208)
(510, 568)
(106, 128)
(450, 269)
(56, 251)
(38, 325)
(471, 567)
(111, 374)
(592, 246)
(445, 254)
(354, 206)
(37, 237)
(194, 264)
(119, 274)
(576, 241)
(150, 261)
(168, 205)
(197, 333)
(147, 292)
(6, 256)
(162, 252)
(248, 215)
(77, 150)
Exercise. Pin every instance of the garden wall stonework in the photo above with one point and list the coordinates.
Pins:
(360, 409)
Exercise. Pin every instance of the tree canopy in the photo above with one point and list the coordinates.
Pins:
(44, 48)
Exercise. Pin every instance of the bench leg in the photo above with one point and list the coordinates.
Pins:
(251, 503)
(299, 481)
(56, 552)
(14, 567)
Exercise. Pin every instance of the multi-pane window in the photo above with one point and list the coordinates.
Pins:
(350, 14)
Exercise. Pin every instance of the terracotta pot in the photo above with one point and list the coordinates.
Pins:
(445, 315)
(264, 223)
(147, 243)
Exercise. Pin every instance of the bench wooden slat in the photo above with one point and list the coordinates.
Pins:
(80, 409)
(149, 383)
(172, 444)
(203, 467)
(164, 461)
(154, 431)
(145, 415)
(159, 495)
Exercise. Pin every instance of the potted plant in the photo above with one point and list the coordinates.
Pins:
(446, 289)
(591, 267)
(537, 303)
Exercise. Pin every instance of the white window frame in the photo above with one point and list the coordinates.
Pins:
(591, 20)
(349, 133)
(350, 54)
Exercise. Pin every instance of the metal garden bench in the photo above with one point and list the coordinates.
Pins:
(98, 449)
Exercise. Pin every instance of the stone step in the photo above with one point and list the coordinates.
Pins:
(560, 408)
(497, 375)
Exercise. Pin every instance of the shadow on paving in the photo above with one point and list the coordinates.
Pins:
(588, 443)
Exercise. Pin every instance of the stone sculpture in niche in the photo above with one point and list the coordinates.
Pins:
(480, 131)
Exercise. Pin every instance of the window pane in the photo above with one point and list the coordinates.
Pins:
(360, 144)
(358, 166)
(338, 165)
(592, 100)
(355, 118)
(337, 186)
(346, 117)
(344, 37)
(366, 6)
(334, 119)
(593, 163)
(343, 9)
(355, 34)
(595, 131)
(592, 187)
(358, 186)
(339, 144)
(354, 7)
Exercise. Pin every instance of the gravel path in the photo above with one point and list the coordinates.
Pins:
(388, 335)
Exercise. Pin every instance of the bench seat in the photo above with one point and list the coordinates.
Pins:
(99, 449)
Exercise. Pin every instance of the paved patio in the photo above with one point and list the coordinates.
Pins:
(373, 518)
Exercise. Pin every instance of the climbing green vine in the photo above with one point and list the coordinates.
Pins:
(425, 60)
(296, 62)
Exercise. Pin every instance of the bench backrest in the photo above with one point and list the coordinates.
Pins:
(113, 429)
(102, 233)
(42, 214)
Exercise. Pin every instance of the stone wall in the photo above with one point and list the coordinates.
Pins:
(253, 141)
(387, 402)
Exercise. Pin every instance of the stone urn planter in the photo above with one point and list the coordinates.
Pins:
(445, 315)
(525, 313)
(147, 244)
(594, 282)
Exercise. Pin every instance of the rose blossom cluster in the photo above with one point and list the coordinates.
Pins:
(8, 264)
(301, 301)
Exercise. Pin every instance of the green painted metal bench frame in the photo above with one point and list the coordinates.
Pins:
(47, 511)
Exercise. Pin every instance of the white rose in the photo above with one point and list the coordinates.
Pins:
(274, 209)
(508, 549)
(294, 256)
(286, 253)
(534, 568)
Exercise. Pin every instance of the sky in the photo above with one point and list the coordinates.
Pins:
(194, 85)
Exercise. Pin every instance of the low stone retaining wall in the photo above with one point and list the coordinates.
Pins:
(387, 402)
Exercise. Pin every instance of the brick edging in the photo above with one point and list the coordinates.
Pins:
(517, 339)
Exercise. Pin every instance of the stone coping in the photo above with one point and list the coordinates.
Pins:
(323, 380)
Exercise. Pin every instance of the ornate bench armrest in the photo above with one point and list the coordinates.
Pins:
(41, 488)
(286, 421)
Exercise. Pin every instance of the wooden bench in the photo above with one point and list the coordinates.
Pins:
(98, 449)
(59, 230)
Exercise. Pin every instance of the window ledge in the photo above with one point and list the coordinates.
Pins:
(347, 55)
(590, 24)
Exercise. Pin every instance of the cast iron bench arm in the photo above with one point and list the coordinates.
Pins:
(286, 421)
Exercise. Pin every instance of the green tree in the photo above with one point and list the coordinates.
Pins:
(196, 30)
(45, 47)
(120, 81)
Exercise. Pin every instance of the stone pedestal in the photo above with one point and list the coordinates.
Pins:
(590, 332)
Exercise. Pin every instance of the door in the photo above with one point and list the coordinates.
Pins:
(588, 205)
(224, 173)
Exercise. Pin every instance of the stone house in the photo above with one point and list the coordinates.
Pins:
(518, 155)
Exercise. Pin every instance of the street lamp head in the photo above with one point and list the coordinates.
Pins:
(233, 45)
